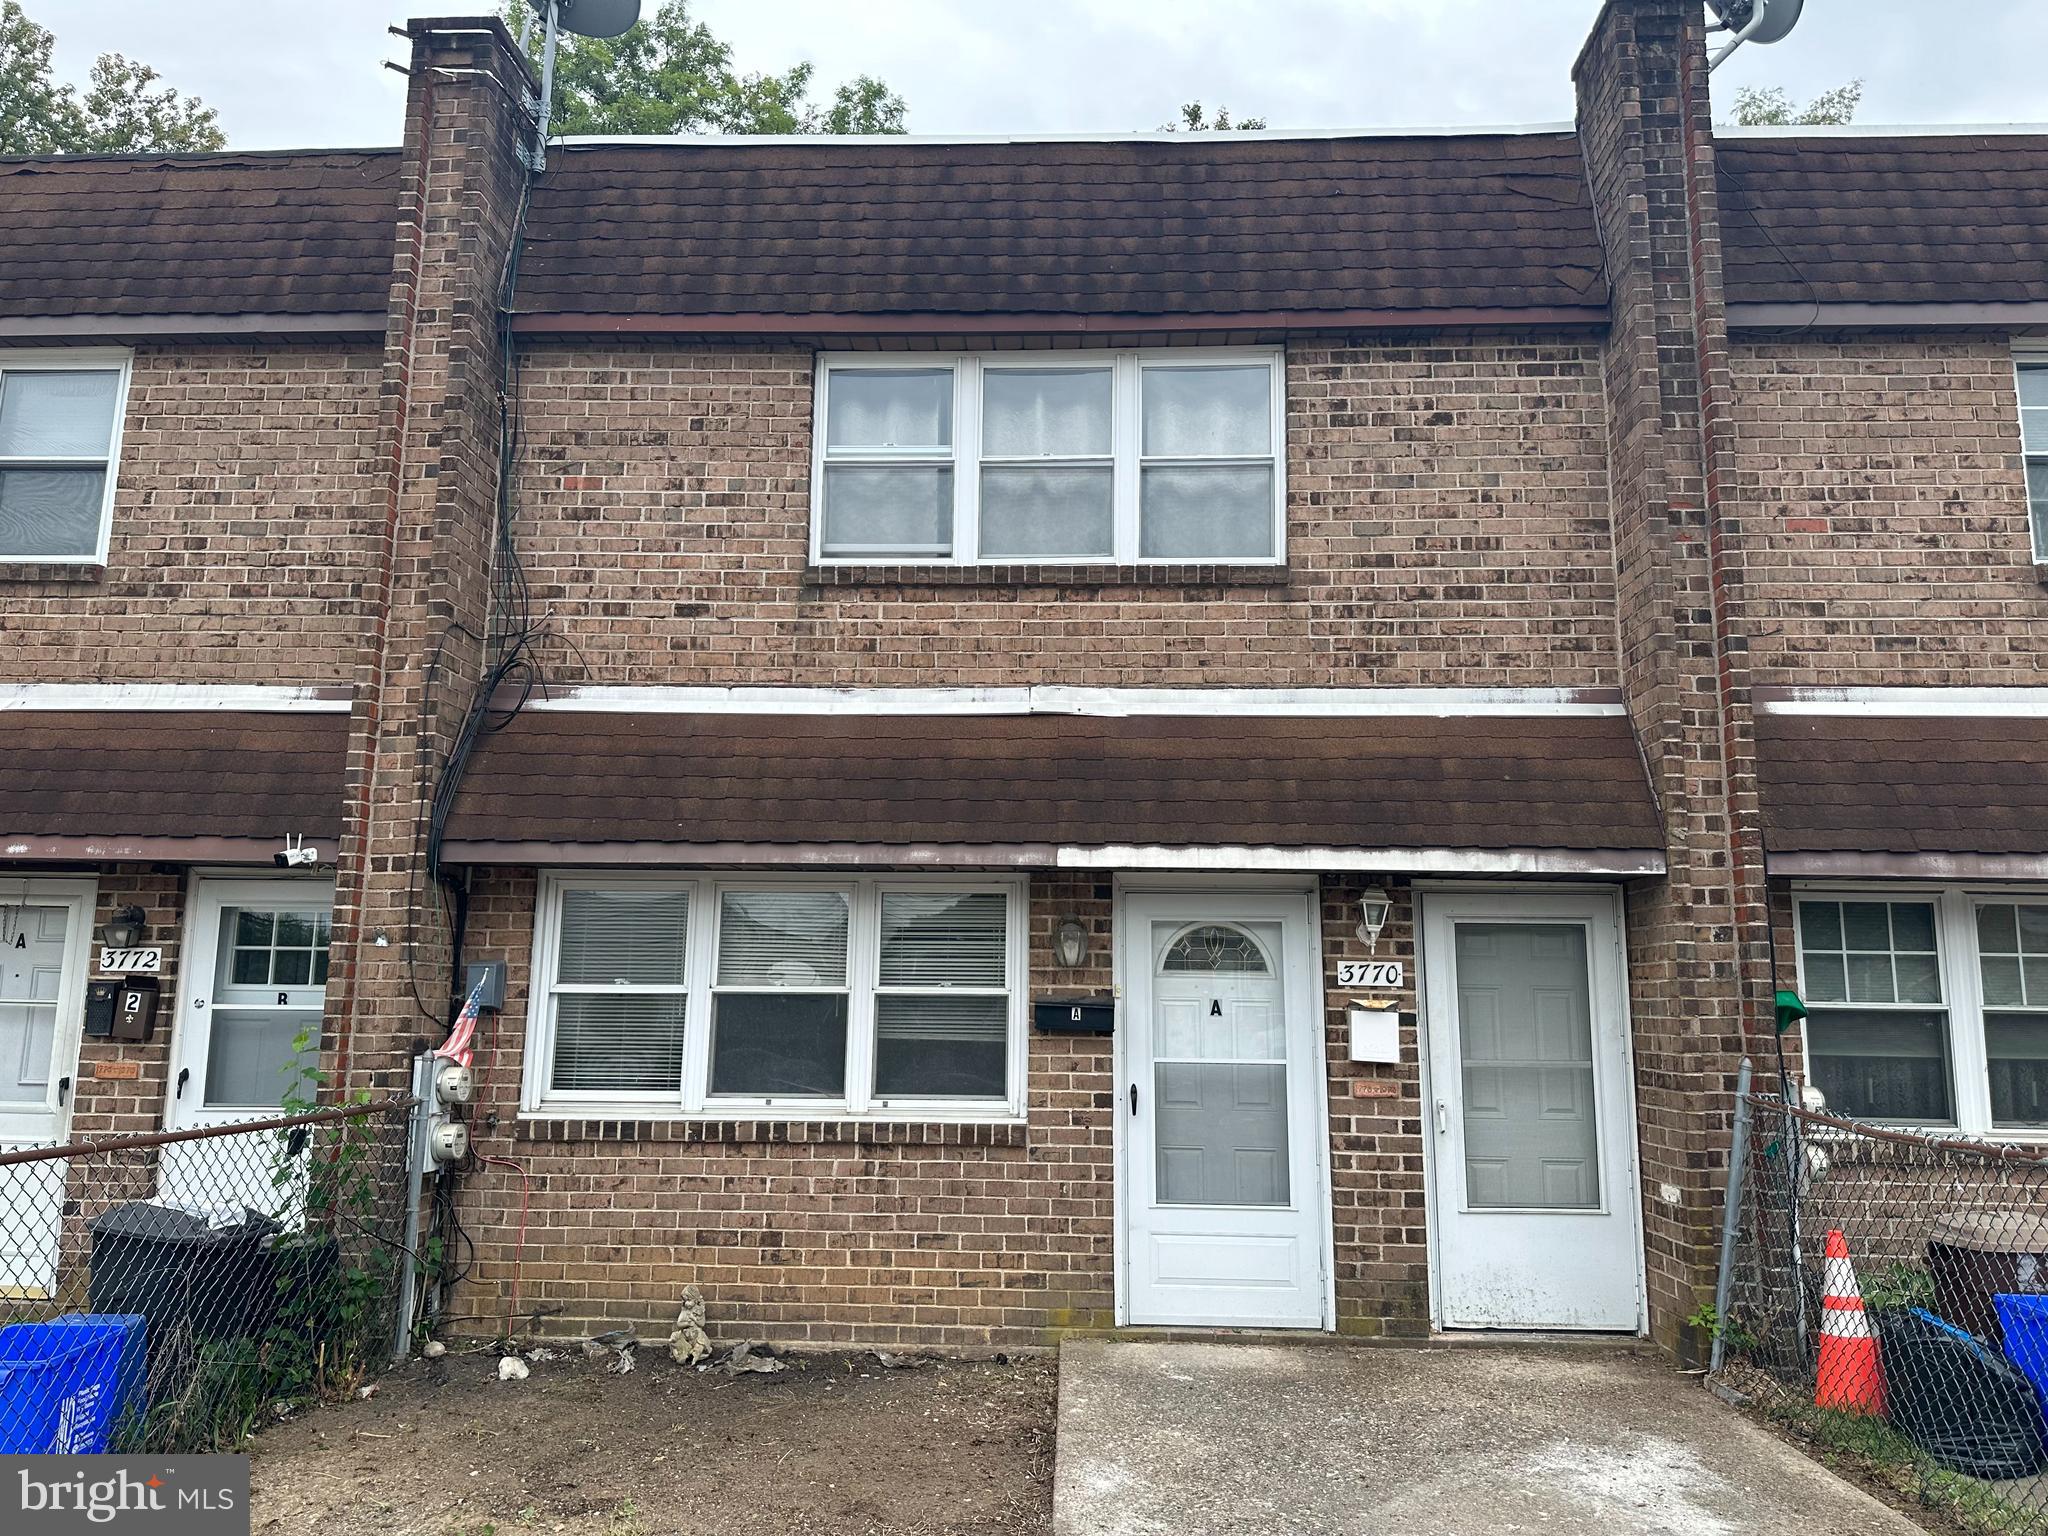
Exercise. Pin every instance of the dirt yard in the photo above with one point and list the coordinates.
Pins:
(836, 1443)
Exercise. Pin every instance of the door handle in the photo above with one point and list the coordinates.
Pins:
(186, 1072)
(1134, 1098)
(1443, 1117)
(63, 1090)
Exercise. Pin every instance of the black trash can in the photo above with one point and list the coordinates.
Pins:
(186, 1275)
(1957, 1400)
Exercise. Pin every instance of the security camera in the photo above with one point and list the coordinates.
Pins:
(295, 854)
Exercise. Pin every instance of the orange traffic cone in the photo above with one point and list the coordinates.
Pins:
(1851, 1377)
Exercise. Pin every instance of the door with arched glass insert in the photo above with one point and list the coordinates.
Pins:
(1224, 1155)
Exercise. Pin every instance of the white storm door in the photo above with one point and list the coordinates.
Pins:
(1226, 1205)
(45, 950)
(1532, 1114)
(255, 987)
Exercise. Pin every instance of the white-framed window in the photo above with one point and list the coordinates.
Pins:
(2033, 386)
(1071, 459)
(1927, 1006)
(60, 443)
(877, 996)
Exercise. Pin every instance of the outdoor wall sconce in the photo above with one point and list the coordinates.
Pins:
(124, 929)
(1070, 945)
(1373, 906)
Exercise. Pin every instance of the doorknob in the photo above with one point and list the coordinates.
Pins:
(1443, 1117)
(186, 1072)
(63, 1090)
(1134, 1098)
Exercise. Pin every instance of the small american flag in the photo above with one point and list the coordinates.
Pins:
(458, 1046)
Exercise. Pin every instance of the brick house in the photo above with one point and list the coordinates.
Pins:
(1202, 731)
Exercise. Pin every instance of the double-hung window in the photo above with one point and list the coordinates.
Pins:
(1928, 1007)
(898, 997)
(1088, 457)
(2033, 379)
(60, 429)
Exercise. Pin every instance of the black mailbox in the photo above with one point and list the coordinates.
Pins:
(100, 997)
(1074, 1016)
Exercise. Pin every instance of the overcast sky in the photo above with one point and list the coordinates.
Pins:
(287, 73)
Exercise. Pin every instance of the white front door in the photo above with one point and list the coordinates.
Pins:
(45, 950)
(1537, 1219)
(1226, 1206)
(247, 1041)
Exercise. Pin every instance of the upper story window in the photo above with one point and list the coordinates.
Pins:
(60, 430)
(1113, 457)
(1929, 1008)
(2034, 443)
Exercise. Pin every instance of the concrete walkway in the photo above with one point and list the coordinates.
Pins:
(1462, 1440)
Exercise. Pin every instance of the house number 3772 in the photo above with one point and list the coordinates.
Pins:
(1369, 973)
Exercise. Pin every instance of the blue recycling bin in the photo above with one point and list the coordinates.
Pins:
(2024, 1322)
(66, 1385)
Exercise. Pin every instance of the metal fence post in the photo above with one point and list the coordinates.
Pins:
(1731, 1214)
(415, 1181)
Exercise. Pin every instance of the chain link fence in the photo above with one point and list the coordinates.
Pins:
(166, 1292)
(1884, 1297)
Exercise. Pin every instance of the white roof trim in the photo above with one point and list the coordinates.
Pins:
(1872, 130)
(2009, 703)
(258, 698)
(1417, 861)
(1054, 699)
(1157, 136)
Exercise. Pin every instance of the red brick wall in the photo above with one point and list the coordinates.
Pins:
(905, 1235)
(241, 528)
(1696, 939)
(120, 1105)
(1446, 525)
(1884, 511)
(1376, 1182)
(908, 1234)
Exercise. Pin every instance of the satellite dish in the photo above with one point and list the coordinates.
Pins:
(586, 18)
(1773, 19)
(1752, 21)
(608, 18)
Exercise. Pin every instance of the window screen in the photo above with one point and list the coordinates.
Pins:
(620, 996)
(942, 1006)
(780, 1016)
(56, 445)
(1877, 1034)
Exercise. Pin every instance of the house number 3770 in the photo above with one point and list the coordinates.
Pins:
(1369, 973)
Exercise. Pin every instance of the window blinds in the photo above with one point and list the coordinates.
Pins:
(782, 939)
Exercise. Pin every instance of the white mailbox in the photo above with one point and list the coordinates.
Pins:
(1376, 1033)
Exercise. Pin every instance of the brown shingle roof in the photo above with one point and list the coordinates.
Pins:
(1151, 229)
(1885, 219)
(235, 234)
(558, 776)
(1112, 228)
(170, 774)
(1862, 784)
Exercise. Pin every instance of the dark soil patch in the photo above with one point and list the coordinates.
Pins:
(836, 1443)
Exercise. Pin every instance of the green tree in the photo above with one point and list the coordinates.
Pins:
(122, 111)
(1191, 118)
(1770, 107)
(670, 74)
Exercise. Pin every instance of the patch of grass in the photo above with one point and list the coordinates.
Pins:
(1880, 1453)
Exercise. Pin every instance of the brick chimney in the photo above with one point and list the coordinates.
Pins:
(1646, 131)
(423, 652)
